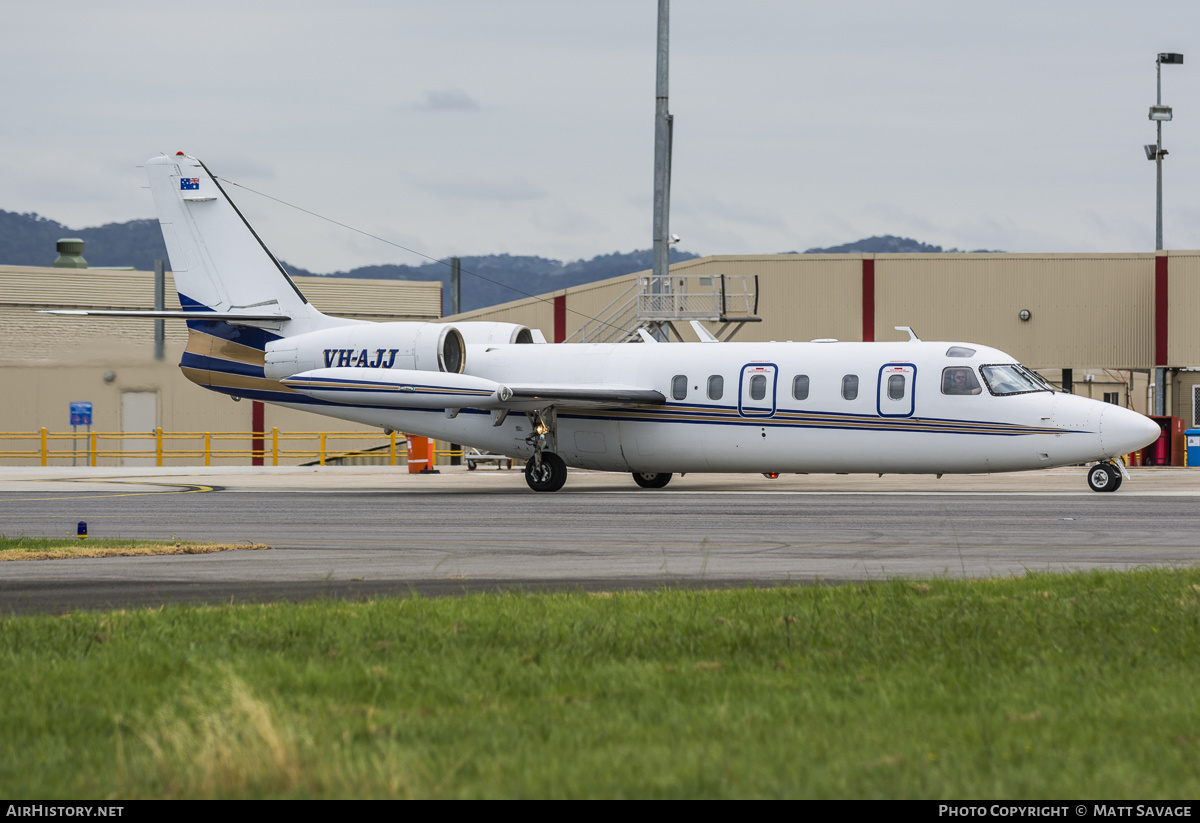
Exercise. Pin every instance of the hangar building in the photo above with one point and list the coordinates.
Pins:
(1107, 325)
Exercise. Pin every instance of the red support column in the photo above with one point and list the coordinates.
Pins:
(560, 318)
(256, 424)
(1160, 310)
(868, 300)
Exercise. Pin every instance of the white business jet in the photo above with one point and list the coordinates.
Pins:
(652, 409)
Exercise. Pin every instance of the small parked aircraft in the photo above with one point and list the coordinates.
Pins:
(652, 409)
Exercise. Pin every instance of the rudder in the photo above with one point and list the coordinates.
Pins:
(218, 261)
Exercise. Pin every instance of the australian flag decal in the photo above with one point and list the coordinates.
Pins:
(188, 183)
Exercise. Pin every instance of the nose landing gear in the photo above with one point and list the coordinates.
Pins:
(1105, 477)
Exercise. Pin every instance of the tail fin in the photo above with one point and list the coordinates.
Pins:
(218, 261)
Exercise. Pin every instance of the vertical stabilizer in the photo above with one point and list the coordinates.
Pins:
(218, 261)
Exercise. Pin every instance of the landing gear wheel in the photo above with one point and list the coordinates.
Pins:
(549, 476)
(651, 480)
(1103, 478)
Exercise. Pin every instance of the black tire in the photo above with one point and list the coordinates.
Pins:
(471, 465)
(1117, 479)
(550, 477)
(1102, 478)
(651, 480)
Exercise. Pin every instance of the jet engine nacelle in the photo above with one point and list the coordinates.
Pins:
(476, 332)
(434, 347)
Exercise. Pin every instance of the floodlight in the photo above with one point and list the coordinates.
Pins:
(1151, 150)
(1160, 112)
(1170, 57)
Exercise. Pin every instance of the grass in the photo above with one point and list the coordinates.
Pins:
(49, 548)
(1040, 687)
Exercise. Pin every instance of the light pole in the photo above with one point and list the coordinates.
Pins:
(1156, 152)
(663, 130)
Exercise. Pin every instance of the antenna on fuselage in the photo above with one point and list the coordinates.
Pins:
(912, 335)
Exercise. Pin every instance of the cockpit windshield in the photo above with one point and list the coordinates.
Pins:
(1013, 378)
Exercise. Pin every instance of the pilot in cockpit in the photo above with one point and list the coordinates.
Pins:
(960, 380)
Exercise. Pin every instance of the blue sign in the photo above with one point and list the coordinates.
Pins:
(81, 414)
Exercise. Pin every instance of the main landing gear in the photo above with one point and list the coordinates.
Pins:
(1105, 477)
(545, 471)
(651, 480)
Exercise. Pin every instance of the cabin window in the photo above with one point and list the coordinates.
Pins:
(960, 351)
(960, 380)
(716, 387)
(895, 388)
(800, 387)
(850, 387)
(679, 386)
(758, 387)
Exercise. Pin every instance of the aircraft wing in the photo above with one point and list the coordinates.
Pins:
(574, 394)
(358, 386)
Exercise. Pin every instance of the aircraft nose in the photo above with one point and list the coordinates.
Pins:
(1124, 430)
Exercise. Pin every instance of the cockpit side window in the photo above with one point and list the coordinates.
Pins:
(960, 380)
(1012, 378)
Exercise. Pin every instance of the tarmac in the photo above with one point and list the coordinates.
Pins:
(488, 479)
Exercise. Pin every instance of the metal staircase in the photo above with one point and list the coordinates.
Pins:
(657, 303)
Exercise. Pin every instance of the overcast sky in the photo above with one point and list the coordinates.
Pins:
(482, 126)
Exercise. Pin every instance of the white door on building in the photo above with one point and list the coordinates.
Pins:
(139, 415)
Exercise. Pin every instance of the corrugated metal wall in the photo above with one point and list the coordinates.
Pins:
(28, 336)
(536, 314)
(800, 297)
(1183, 338)
(1086, 310)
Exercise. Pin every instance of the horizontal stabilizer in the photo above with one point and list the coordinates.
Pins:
(409, 388)
(228, 317)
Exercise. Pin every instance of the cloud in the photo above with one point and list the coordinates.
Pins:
(464, 187)
(448, 100)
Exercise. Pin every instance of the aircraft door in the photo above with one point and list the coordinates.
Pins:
(756, 391)
(897, 383)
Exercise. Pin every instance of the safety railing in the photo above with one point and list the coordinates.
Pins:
(192, 448)
(651, 301)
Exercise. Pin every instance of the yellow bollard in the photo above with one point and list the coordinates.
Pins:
(275, 446)
(207, 447)
(92, 450)
(322, 448)
(158, 447)
(43, 445)
(392, 449)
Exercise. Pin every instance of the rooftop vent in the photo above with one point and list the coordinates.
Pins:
(70, 254)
